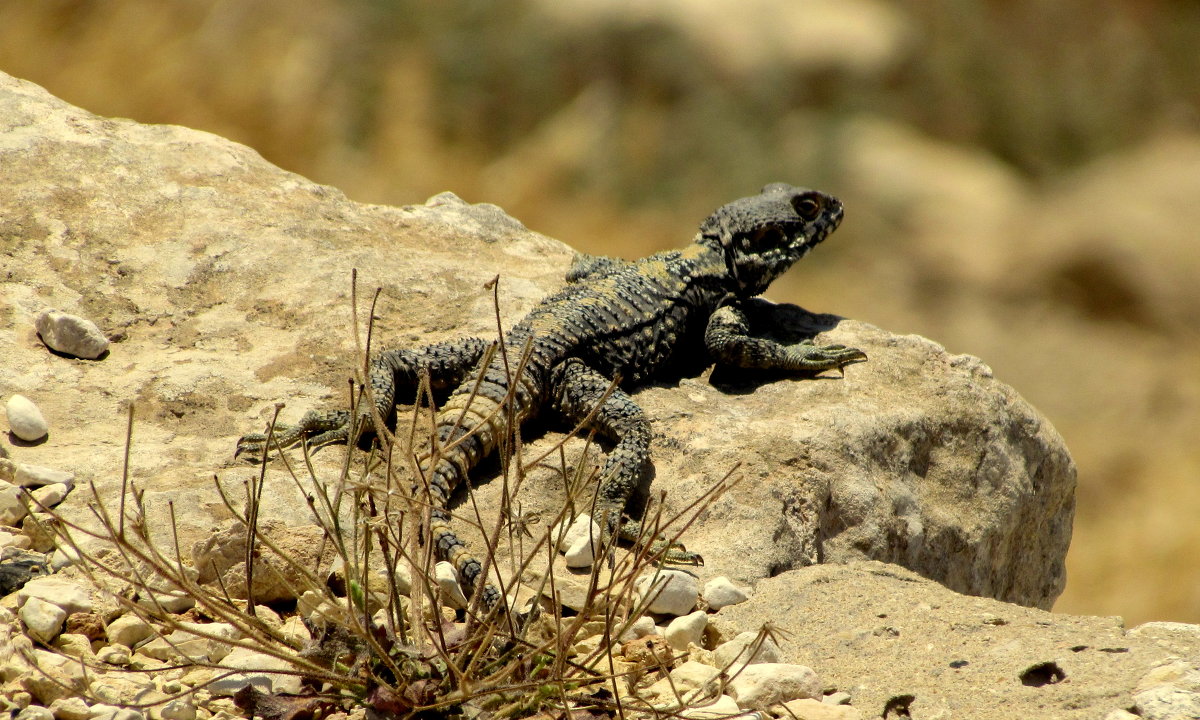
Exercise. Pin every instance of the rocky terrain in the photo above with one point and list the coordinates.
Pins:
(223, 286)
(1049, 235)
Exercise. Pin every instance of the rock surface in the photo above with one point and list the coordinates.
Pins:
(222, 555)
(878, 631)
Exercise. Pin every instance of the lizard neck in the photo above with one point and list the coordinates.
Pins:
(705, 265)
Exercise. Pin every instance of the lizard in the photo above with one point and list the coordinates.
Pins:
(615, 325)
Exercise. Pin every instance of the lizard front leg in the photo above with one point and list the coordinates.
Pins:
(447, 364)
(729, 342)
(576, 390)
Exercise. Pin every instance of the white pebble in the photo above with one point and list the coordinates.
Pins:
(37, 476)
(256, 669)
(672, 592)
(692, 675)
(686, 630)
(1167, 701)
(43, 620)
(71, 334)
(737, 652)
(68, 595)
(569, 532)
(49, 495)
(760, 686)
(294, 632)
(178, 709)
(16, 540)
(35, 712)
(102, 711)
(582, 553)
(721, 592)
(114, 655)
(641, 627)
(197, 642)
(24, 419)
(70, 708)
(447, 580)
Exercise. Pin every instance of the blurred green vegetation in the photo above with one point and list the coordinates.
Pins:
(616, 126)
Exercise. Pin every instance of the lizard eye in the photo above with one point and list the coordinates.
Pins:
(807, 206)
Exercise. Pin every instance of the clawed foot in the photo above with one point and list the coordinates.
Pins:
(315, 429)
(662, 550)
(816, 358)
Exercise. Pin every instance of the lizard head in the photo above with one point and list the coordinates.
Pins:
(762, 235)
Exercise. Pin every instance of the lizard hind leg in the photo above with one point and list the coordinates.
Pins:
(579, 394)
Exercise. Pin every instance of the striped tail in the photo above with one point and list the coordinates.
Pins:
(469, 426)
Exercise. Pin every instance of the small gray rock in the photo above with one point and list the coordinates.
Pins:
(641, 627)
(16, 540)
(63, 556)
(114, 655)
(71, 335)
(25, 419)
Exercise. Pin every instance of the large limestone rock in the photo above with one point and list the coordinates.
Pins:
(224, 283)
(877, 632)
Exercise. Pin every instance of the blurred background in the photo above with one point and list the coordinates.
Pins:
(1022, 178)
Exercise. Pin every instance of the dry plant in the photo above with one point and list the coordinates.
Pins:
(382, 635)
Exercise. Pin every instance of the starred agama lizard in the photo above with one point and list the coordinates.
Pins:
(615, 320)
